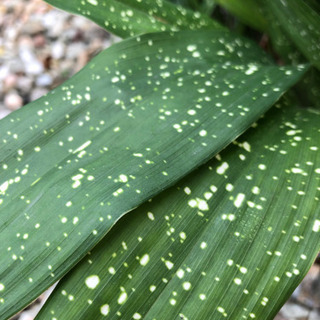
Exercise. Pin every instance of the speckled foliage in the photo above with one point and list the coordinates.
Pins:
(102, 155)
(231, 240)
(302, 25)
(203, 249)
(127, 18)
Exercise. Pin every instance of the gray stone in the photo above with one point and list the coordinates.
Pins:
(314, 315)
(294, 311)
(3, 112)
(32, 65)
(24, 84)
(37, 93)
(13, 101)
(74, 50)
(16, 66)
(33, 27)
(296, 293)
(4, 71)
(10, 81)
(58, 49)
(44, 80)
(54, 21)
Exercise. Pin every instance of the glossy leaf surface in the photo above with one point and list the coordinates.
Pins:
(137, 118)
(230, 241)
(127, 18)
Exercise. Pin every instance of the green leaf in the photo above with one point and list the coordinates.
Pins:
(127, 18)
(302, 25)
(205, 6)
(208, 6)
(248, 11)
(189, 4)
(308, 89)
(137, 118)
(231, 241)
(314, 4)
(285, 49)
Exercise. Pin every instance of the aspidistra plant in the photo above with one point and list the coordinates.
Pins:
(132, 181)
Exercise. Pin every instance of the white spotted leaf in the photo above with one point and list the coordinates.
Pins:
(248, 11)
(308, 89)
(301, 23)
(137, 118)
(126, 18)
(204, 6)
(230, 241)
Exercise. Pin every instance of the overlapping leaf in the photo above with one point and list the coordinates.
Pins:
(141, 115)
(285, 49)
(127, 18)
(248, 11)
(208, 6)
(205, 6)
(231, 241)
(314, 4)
(302, 25)
(308, 89)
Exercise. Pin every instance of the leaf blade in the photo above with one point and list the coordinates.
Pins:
(307, 90)
(137, 17)
(302, 25)
(240, 253)
(78, 159)
(249, 12)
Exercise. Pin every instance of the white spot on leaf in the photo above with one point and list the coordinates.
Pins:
(123, 178)
(105, 309)
(144, 259)
(122, 298)
(93, 2)
(239, 200)
(223, 168)
(316, 226)
(92, 281)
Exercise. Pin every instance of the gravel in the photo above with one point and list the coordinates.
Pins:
(41, 47)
